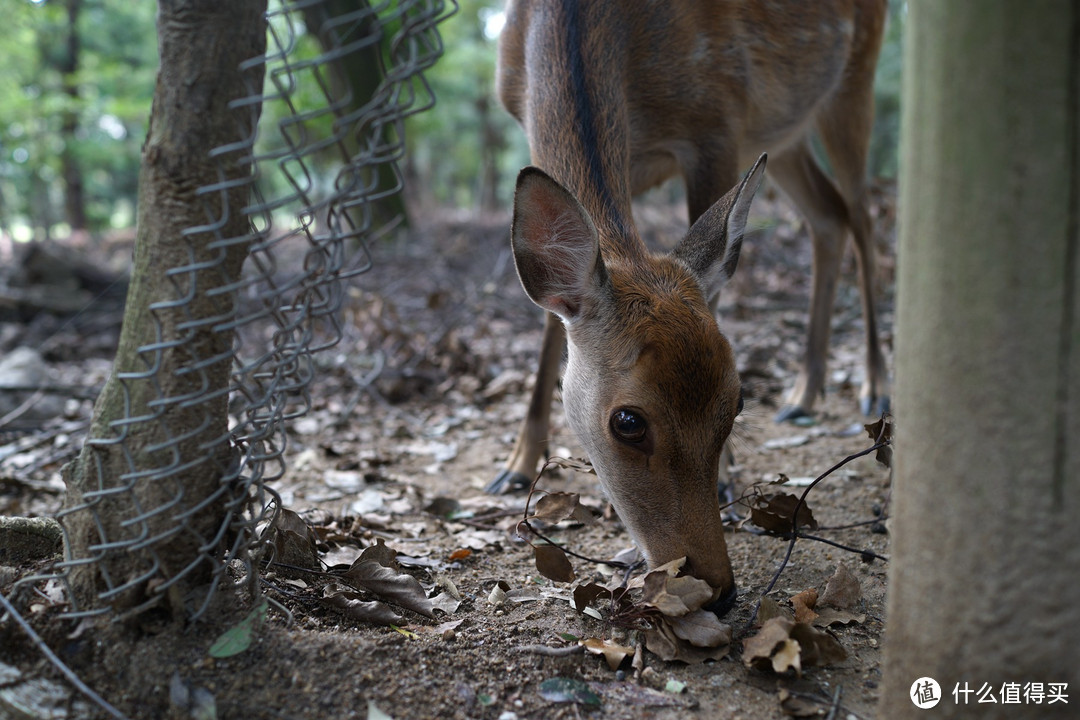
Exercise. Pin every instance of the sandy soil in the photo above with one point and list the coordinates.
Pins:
(445, 317)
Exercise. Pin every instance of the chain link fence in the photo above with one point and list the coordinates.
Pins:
(340, 78)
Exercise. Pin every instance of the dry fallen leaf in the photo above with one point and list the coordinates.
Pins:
(701, 628)
(380, 553)
(775, 512)
(612, 652)
(662, 641)
(804, 603)
(769, 609)
(294, 542)
(785, 645)
(445, 602)
(552, 563)
(585, 595)
(818, 647)
(675, 596)
(398, 588)
(881, 431)
(555, 507)
(842, 591)
(350, 603)
(831, 616)
(771, 647)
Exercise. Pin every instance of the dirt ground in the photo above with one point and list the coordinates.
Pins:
(386, 456)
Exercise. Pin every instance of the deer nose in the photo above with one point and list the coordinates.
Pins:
(723, 604)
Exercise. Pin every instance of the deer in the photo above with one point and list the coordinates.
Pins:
(615, 98)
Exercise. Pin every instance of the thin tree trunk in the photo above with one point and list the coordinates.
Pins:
(986, 541)
(145, 497)
(74, 191)
(356, 76)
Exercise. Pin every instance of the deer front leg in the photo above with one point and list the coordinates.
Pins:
(532, 436)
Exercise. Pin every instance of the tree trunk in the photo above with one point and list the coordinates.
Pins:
(986, 540)
(144, 513)
(74, 192)
(355, 78)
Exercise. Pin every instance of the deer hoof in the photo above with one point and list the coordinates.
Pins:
(874, 406)
(723, 604)
(507, 481)
(788, 413)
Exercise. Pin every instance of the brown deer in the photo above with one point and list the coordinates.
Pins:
(616, 97)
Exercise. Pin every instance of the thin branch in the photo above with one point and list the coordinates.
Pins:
(610, 563)
(22, 409)
(866, 553)
(795, 522)
(834, 709)
(58, 663)
(549, 541)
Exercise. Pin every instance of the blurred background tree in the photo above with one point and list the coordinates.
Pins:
(79, 74)
(74, 102)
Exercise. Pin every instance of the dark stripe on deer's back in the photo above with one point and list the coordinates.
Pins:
(587, 116)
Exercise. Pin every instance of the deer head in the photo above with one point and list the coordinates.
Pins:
(650, 387)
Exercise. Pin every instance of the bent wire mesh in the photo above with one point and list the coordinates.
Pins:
(306, 237)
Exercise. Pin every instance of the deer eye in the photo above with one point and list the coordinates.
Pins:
(628, 425)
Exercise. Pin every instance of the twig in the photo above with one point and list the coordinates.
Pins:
(479, 520)
(834, 709)
(23, 408)
(610, 563)
(549, 541)
(865, 553)
(79, 392)
(795, 522)
(549, 651)
(849, 526)
(58, 663)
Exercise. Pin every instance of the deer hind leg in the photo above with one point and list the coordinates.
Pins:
(845, 127)
(532, 436)
(801, 178)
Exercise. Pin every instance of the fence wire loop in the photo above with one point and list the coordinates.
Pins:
(308, 237)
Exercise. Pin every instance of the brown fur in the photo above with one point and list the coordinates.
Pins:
(616, 97)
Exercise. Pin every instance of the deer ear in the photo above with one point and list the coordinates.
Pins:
(555, 245)
(711, 248)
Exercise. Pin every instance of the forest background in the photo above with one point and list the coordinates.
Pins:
(79, 76)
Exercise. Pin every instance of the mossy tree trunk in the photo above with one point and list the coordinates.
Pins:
(144, 508)
(986, 536)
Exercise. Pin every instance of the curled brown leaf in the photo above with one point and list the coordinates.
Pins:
(399, 588)
(350, 604)
(803, 604)
(612, 651)
(843, 590)
(775, 512)
(552, 563)
(555, 507)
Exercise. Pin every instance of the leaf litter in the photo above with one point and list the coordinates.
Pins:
(370, 436)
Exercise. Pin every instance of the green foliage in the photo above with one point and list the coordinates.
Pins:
(448, 147)
(114, 78)
(886, 137)
(465, 153)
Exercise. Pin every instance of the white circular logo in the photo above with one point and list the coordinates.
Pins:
(925, 693)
